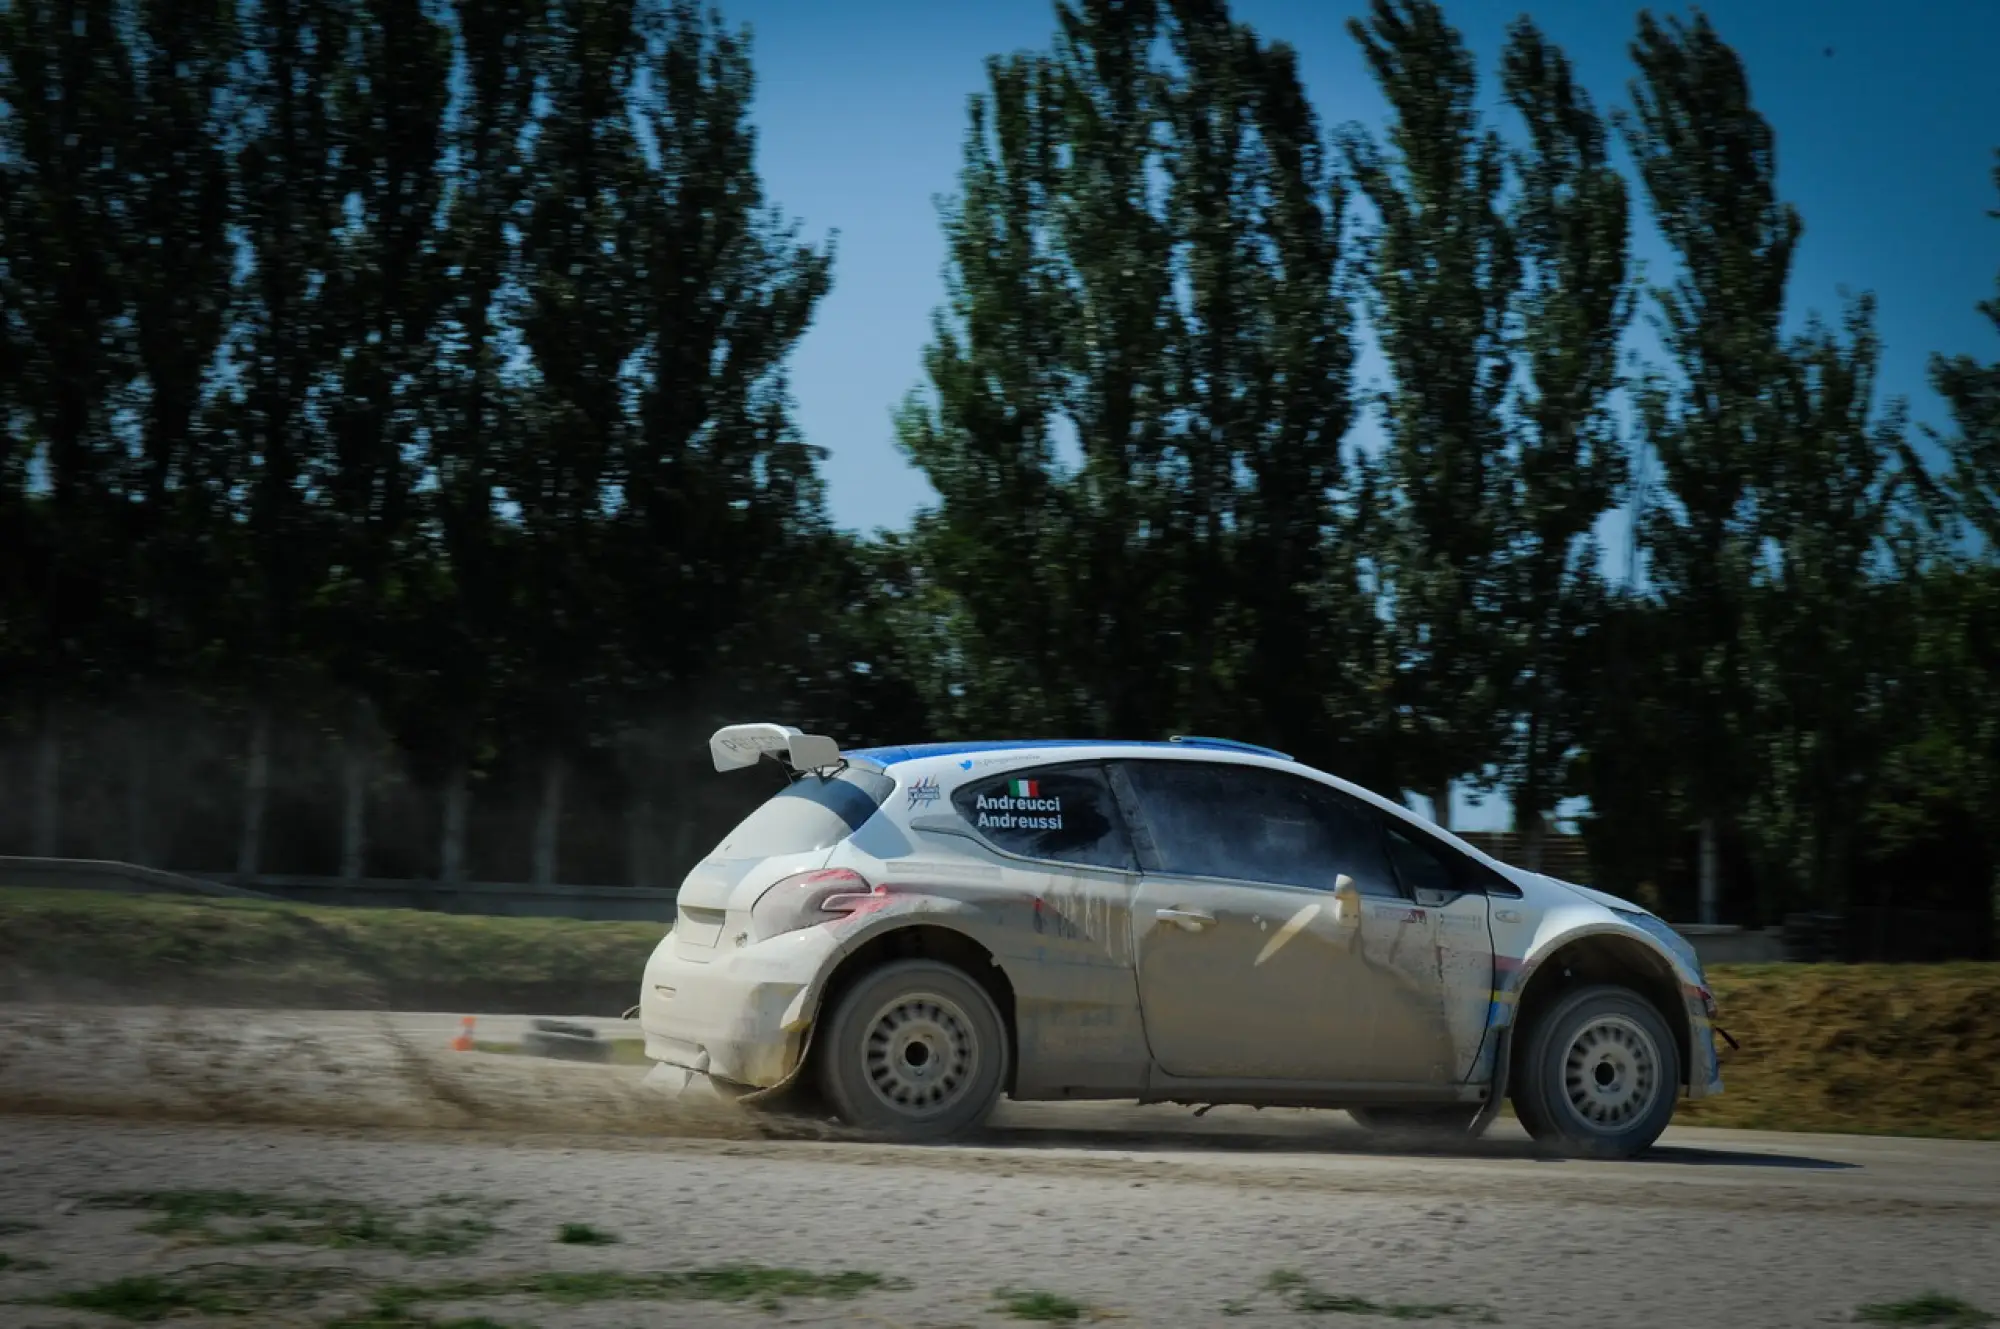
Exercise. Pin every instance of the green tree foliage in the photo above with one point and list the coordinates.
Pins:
(66, 300)
(1708, 163)
(178, 258)
(385, 297)
(1972, 392)
(1444, 271)
(1822, 661)
(1189, 567)
(1572, 229)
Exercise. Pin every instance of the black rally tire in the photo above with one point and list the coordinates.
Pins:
(1448, 1121)
(1599, 1076)
(878, 1082)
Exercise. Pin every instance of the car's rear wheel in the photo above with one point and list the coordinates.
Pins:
(1599, 1076)
(1428, 1121)
(915, 1050)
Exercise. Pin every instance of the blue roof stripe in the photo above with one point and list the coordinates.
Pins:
(891, 756)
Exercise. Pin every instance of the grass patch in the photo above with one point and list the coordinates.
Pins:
(1047, 1307)
(14, 1227)
(245, 1290)
(1932, 1308)
(231, 1290)
(583, 1234)
(766, 1287)
(1299, 1294)
(246, 1218)
(58, 943)
(16, 1265)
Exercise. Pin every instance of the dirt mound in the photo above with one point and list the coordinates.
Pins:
(279, 1067)
(1891, 1049)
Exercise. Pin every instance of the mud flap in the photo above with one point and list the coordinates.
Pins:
(1503, 1062)
(682, 1085)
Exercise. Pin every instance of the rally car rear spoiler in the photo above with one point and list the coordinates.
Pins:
(733, 747)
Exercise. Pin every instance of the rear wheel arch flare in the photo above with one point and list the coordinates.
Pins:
(929, 941)
(1605, 958)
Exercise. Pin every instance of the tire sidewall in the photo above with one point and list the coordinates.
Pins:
(843, 1077)
(1548, 1105)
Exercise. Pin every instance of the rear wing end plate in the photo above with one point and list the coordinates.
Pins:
(734, 747)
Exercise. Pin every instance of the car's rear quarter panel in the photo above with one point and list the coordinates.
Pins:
(1062, 939)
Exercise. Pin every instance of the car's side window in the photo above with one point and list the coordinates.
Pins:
(1418, 868)
(1063, 813)
(1422, 864)
(1253, 824)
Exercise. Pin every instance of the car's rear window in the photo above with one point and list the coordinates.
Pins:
(808, 814)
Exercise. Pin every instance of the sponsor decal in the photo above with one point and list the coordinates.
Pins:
(1023, 808)
(965, 765)
(924, 792)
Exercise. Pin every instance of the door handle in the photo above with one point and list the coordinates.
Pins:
(1193, 920)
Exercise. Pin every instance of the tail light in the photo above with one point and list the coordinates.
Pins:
(807, 899)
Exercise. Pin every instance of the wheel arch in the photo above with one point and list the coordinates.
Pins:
(1606, 957)
(926, 941)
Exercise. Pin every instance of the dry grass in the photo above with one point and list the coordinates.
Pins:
(1875, 1049)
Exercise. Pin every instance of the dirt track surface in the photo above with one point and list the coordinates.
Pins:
(1149, 1214)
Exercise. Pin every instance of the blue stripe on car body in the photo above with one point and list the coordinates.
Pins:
(892, 756)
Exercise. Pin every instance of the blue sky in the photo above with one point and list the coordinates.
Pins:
(1885, 146)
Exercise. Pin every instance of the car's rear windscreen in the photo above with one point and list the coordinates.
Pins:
(808, 814)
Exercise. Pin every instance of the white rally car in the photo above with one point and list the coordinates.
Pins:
(923, 929)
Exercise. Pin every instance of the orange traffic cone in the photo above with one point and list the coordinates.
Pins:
(463, 1043)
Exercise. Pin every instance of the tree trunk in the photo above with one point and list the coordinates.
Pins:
(1532, 827)
(256, 795)
(1441, 806)
(48, 786)
(548, 823)
(457, 794)
(354, 810)
(138, 795)
(1710, 883)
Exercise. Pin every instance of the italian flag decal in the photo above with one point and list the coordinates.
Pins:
(1025, 788)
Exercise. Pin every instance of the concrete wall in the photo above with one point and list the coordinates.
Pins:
(93, 874)
(1718, 943)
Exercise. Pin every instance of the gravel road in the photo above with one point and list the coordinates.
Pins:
(1148, 1215)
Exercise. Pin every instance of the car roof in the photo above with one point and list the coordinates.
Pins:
(896, 755)
(1190, 747)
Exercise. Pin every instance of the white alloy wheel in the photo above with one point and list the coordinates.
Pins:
(915, 1050)
(1598, 1074)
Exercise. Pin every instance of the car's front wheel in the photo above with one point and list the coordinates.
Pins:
(1599, 1075)
(915, 1050)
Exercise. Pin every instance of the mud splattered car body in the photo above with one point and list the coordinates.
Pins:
(1194, 921)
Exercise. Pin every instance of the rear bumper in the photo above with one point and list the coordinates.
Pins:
(741, 1016)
